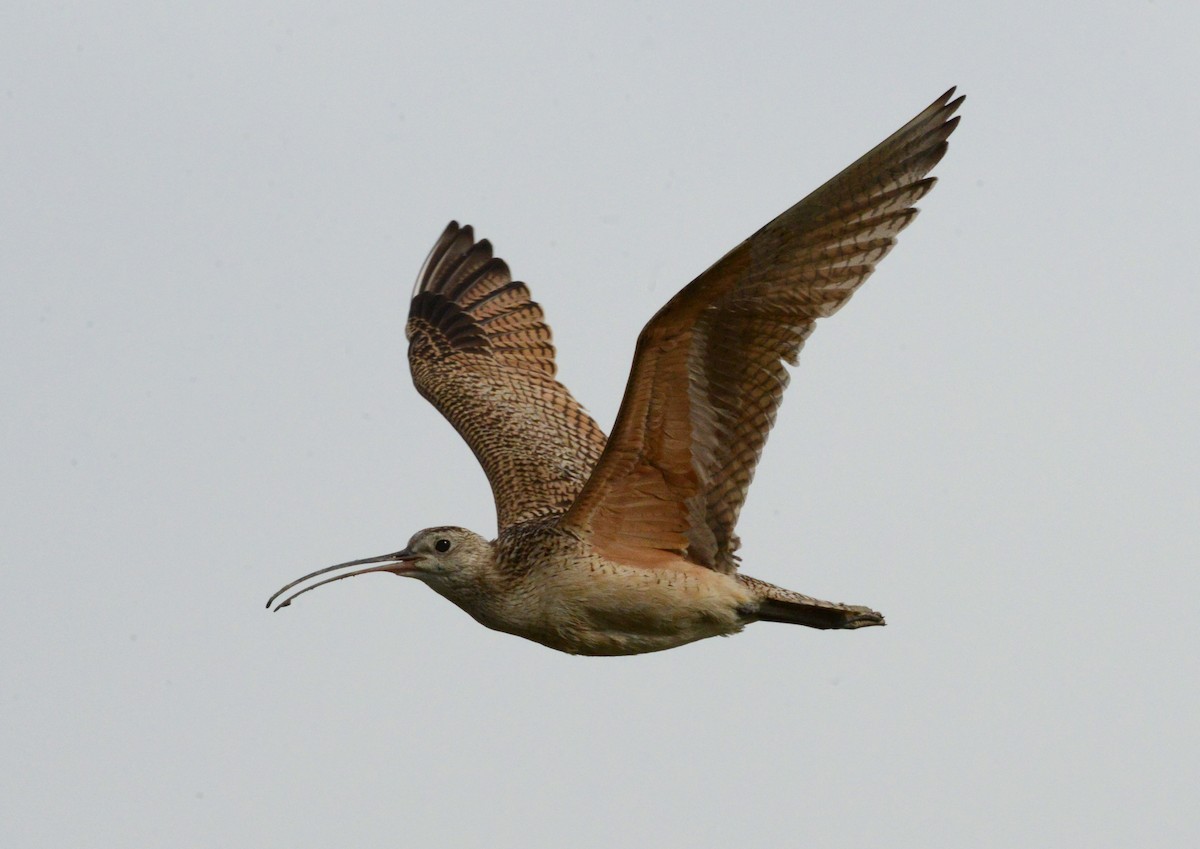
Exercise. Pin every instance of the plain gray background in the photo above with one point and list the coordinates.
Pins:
(211, 221)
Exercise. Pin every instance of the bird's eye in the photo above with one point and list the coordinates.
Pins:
(442, 545)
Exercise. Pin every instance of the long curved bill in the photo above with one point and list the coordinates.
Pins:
(394, 563)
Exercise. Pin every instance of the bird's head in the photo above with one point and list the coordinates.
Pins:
(453, 561)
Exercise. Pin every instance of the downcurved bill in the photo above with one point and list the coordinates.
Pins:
(397, 564)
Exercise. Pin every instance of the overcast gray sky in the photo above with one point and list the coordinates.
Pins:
(212, 218)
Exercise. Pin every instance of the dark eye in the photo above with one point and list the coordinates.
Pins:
(442, 545)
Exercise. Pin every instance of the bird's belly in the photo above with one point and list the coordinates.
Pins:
(605, 608)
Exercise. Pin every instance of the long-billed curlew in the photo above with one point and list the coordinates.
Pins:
(627, 545)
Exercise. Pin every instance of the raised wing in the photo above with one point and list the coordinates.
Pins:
(708, 372)
(480, 352)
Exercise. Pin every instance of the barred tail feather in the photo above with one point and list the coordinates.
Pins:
(775, 604)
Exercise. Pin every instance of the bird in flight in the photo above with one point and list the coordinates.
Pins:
(626, 545)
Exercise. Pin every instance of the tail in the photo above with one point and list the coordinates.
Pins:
(775, 604)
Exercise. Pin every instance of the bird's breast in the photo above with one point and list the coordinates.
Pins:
(586, 604)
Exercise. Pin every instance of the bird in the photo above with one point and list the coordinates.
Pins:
(626, 544)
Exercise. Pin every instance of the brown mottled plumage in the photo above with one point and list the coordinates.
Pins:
(628, 545)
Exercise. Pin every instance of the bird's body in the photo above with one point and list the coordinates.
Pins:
(626, 545)
(551, 587)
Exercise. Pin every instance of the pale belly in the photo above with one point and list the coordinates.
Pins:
(603, 608)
